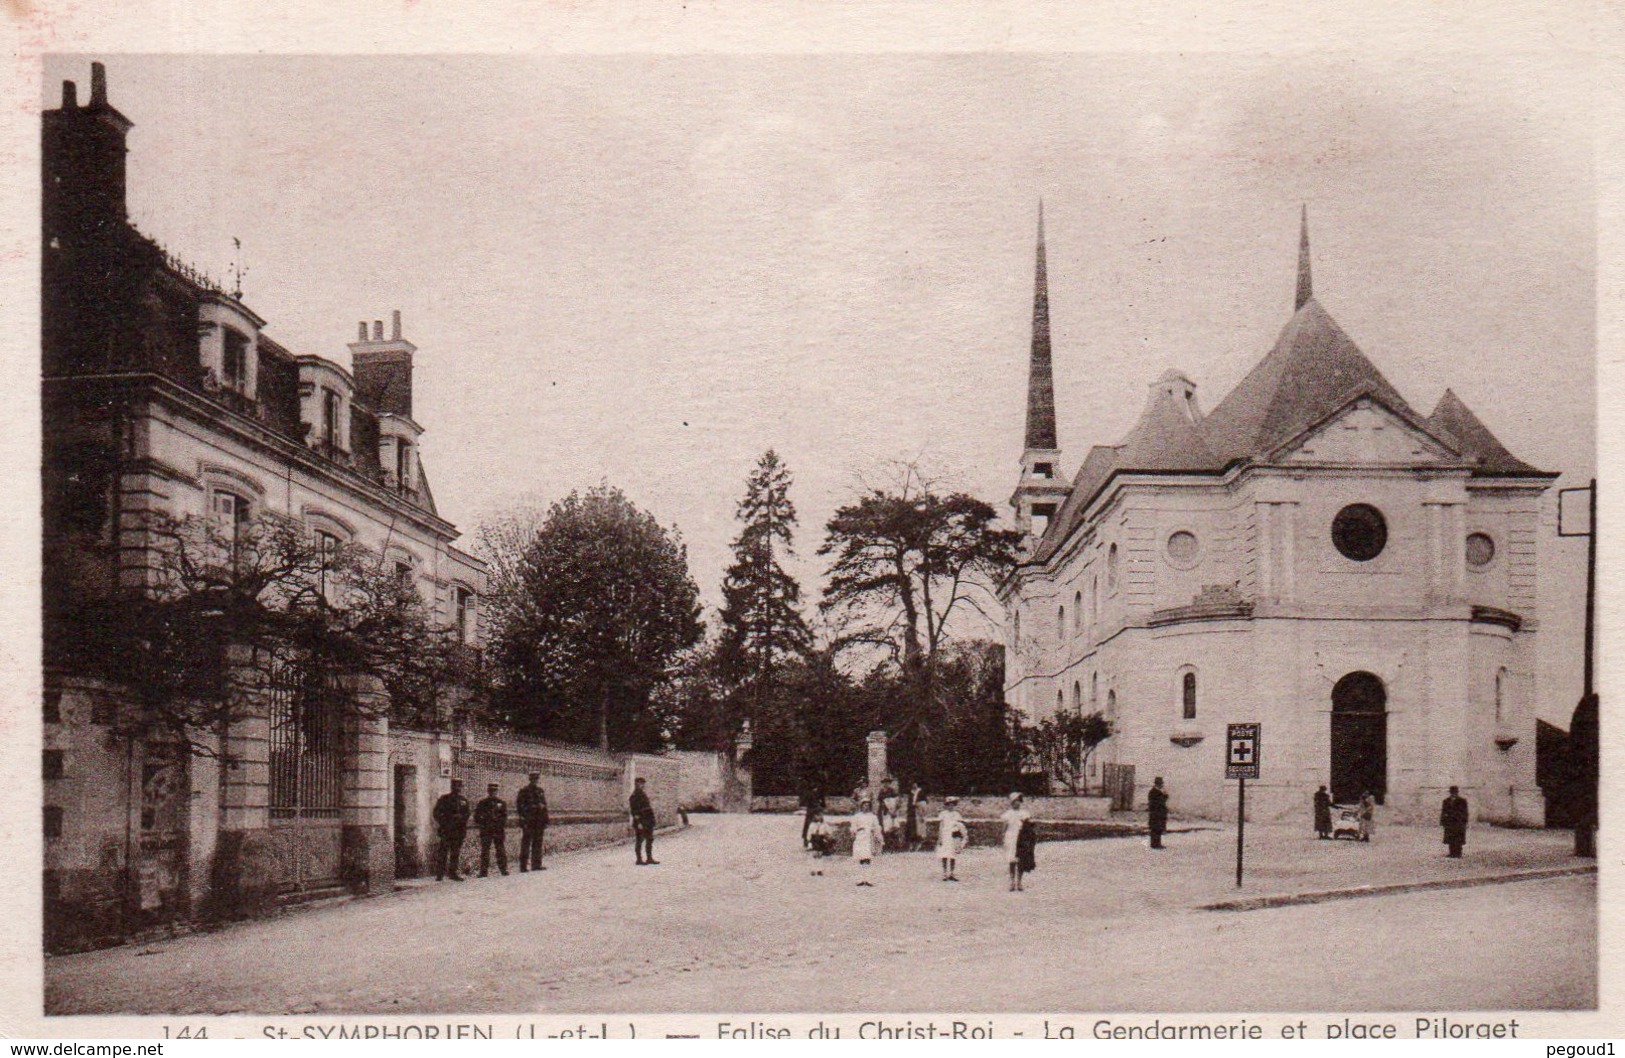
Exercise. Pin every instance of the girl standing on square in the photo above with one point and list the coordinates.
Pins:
(866, 834)
(952, 836)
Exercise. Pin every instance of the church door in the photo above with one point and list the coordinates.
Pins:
(1359, 738)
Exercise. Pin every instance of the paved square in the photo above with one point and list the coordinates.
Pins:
(733, 921)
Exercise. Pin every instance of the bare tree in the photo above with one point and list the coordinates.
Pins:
(219, 609)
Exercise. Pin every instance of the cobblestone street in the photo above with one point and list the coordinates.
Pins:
(733, 921)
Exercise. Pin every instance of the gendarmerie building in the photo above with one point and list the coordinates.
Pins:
(1312, 554)
(163, 392)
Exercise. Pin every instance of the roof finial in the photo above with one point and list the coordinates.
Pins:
(1306, 289)
(1040, 376)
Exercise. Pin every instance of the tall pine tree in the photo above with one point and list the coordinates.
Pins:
(762, 627)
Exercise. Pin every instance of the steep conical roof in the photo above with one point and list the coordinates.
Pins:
(1040, 373)
(1312, 371)
(1474, 438)
(1306, 286)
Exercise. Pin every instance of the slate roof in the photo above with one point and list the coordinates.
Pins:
(1474, 439)
(1313, 371)
(1040, 373)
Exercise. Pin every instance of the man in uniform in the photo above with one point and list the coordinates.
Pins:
(451, 824)
(531, 804)
(643, 825)
(1453, 818)
(1157, 802)
(491, 816)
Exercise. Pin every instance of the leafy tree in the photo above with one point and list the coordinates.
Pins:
(906, 560)
(215, 614)
(1064, 742)
(602, 610)
(762, 626)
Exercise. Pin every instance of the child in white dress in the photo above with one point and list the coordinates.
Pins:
(952, 835)
(1014, 819)
(866, 835)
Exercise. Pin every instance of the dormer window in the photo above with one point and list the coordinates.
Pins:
(234, 359)
(403, 465)
(1044, 470)
(330, 418)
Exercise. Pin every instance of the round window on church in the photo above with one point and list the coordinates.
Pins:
(1182, 549)
(1480, 550)
(1360, 532)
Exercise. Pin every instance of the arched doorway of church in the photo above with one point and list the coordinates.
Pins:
(1359, 738)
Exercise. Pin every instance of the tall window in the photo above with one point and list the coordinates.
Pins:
(1060, 623)
(329, 545)
(1500, 694)
(1111, 569)
(403, 464)
(1094, 692)
(1111, 705)
(330, 418)
(403, 573)
(1077, 613)
(1077, 696)
(465, 615)
(234, 360)
(230, 512)
(1187, 695)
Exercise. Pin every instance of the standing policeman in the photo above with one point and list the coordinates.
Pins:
(491, 816)
(451, 823)
(531, 804)
(643, 825)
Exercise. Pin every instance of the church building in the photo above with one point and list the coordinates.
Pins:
(1313, 555)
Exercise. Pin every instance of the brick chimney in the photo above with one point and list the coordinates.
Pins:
(82, 155)
(383, 368)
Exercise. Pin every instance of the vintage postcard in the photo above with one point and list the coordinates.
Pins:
(639, 522)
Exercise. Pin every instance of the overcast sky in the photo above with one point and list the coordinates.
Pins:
(649, 269)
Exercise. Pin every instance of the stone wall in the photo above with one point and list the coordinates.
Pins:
(587, 790)
(712, 782)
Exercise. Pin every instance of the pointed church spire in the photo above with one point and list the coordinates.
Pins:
(1040, 377)
(1306, 289)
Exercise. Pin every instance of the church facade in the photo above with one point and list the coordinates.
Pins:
(1313, 555)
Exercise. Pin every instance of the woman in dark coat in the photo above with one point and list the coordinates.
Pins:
(1323, 813)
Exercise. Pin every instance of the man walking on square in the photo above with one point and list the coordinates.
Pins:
(531, 804)
(491, 816)
(1157, 802)
(643, 825)
(1453, 818)
(451, 824)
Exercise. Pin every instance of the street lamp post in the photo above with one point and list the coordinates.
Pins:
(1584, 748)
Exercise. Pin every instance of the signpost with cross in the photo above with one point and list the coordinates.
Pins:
(1241, 760)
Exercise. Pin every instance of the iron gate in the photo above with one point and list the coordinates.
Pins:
(307, 778)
